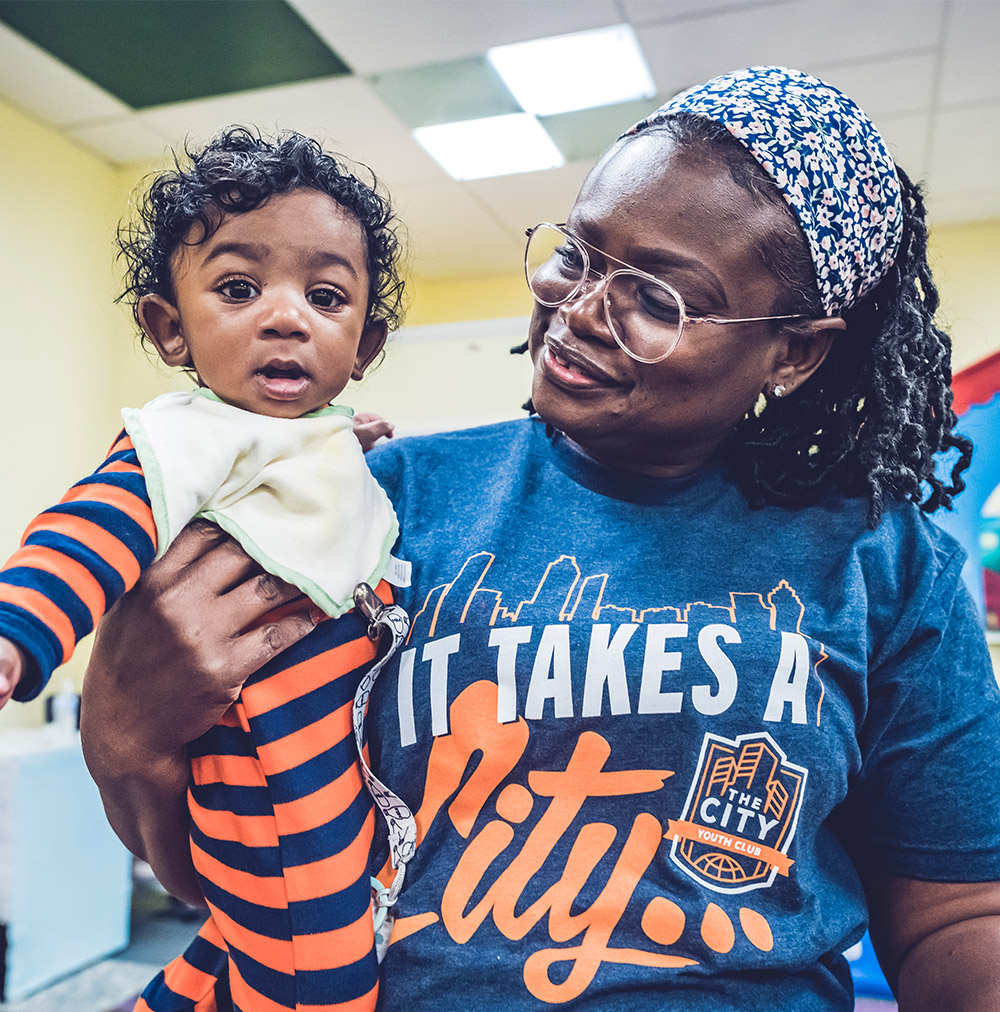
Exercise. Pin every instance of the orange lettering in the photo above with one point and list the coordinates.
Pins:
(598, 922)
(474, 729)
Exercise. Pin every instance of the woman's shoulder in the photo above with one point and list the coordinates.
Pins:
(455, 445)
(441, 458)
(911, 569)
(907, 532)
(903, 530)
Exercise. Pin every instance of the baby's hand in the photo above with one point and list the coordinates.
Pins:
(12, 665)
(369, 428)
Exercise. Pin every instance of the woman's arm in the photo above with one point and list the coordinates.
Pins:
(938, 942)
(168, 660)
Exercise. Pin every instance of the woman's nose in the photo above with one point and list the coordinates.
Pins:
(584, 314)
(284, 314)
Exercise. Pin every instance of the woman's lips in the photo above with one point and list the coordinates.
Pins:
(574, 371)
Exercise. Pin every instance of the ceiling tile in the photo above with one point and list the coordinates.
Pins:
(162, 51)
(885, 86)
(343, 113)
(522, 201)
(378, 35)
(964, 154)
(802, 35)
(451, 234)
(641, 12)
(588, 133)
(445, 92)
(124, 141)
(971, 49)
(881, 52)
(38, 83)
(908, 137)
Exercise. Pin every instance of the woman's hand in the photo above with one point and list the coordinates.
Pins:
(168, 660)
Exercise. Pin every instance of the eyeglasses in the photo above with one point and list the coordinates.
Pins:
(645, 315)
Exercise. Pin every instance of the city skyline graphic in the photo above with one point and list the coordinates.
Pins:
(565, 590)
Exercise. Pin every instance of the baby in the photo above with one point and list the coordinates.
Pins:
(269, 272)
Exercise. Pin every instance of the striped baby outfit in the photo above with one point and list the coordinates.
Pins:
(281, 822)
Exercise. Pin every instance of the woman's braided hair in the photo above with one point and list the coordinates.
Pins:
(235, 172)
(871, 419)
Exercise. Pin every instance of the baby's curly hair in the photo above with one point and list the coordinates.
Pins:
(235, 172)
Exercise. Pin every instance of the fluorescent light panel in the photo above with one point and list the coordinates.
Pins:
(495, 146)
(577, 71)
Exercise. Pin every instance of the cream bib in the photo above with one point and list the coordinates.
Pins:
(294, 492)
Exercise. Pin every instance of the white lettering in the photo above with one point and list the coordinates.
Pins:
(404, 698)
(766, 825)
(438, 652)
(705, 701)
(703, 810)
(606, 666)
(790, 680)
(745, 814)
(710, 836)
(657, 660)
(550, 675)
(507, 639)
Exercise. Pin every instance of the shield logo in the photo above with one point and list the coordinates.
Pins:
(740, 814)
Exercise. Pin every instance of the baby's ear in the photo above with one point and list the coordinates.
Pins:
(161, 323)
(372, 342)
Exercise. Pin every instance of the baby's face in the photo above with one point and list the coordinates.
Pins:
(270, 310)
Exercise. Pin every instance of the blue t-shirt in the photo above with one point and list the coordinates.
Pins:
(650, 734)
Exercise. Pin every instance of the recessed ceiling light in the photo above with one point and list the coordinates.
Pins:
(577, 71)
(495, 146)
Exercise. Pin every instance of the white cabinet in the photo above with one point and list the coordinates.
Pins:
(65, 879)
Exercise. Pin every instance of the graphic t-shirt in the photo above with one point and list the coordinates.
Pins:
(649, 734)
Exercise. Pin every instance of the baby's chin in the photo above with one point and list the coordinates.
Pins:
(277, 408)
(279, 396)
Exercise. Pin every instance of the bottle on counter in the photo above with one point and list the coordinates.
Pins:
(65, 710)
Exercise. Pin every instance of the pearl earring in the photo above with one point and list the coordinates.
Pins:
(779, 390)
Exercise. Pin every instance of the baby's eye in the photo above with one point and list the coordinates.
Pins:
(326, 298)
(238, 289)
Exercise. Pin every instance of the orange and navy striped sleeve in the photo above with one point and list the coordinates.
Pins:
(76, 559)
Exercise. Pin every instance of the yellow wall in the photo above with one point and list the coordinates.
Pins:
(478, 298)
(61, 333)
(965, 259)
(70, 357)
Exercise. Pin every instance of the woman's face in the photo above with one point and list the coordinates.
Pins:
(677, 214)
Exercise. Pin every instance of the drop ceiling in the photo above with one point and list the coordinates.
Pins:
(128, 79)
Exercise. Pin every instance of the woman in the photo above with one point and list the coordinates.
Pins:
(692, 685)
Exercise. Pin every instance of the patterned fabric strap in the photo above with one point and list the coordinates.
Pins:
(392, 620)
(828, 160)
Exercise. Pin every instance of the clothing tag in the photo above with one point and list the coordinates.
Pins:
(398, 572)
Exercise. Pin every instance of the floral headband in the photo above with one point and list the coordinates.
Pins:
(828, 160)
